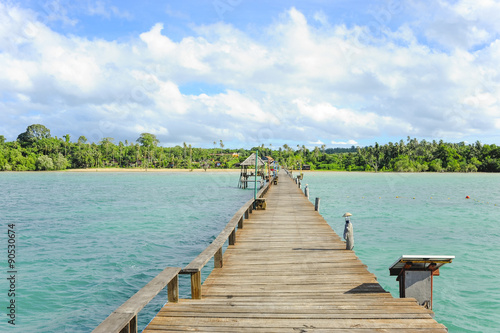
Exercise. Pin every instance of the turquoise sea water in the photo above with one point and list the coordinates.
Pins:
(86, 242)
(396, 214)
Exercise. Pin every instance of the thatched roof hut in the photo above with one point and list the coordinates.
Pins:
(250, 161)
(246, 174)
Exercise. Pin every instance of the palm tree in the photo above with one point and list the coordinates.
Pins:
(190, 156)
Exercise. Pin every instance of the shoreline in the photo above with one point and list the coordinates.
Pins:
(169, 170)
(145, 170)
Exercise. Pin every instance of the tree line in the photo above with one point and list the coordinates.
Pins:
(36, 149)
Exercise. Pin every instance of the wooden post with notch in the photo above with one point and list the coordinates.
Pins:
(232, 237)
(218, 259)
(173, 290)
(131, 326)
(196, 285)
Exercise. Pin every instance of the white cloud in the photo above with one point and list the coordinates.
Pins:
(462, 24)
(349, 142)
(159, 45)
(169, 99)
(296, 82)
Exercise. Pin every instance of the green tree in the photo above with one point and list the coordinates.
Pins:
(60, 162)
(148, 141)
(44, 163)
(34, 133)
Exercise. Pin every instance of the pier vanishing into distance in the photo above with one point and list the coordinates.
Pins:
(285, 270)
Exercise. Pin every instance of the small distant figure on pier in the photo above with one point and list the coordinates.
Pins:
(348, 232)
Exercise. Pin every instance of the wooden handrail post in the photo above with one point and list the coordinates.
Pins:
(232, 237)
(131, 327)
(246, 214)
(196, 285)
(173, 290)
(240, 223)
(218, 259)
(316, 205)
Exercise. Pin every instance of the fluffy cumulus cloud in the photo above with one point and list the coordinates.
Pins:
(302, 79)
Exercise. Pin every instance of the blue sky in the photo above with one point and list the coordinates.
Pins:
(315, 72)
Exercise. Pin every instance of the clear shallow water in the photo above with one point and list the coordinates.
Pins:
(87, 242)
(395, 214)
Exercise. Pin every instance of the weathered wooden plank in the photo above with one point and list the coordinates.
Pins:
(294, 301)
(224, 313)
(199, 328)
(217, 310)
(291, 323)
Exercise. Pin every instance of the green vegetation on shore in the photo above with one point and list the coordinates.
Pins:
(36, 149)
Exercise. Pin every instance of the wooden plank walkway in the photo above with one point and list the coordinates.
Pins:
(290, 272)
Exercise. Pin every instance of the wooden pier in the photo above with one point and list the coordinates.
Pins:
(286, 270)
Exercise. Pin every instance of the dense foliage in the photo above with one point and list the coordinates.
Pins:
(36, 149)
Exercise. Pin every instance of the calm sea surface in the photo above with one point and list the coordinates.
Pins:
(86, 242)
(396, 214)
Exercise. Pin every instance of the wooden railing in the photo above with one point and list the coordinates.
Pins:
(124, 319)
(215, 249)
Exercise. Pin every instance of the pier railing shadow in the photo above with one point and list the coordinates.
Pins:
(124, 318)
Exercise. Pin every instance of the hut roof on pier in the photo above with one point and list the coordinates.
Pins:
(250, 161)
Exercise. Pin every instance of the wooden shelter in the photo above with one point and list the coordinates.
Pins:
(247, 174)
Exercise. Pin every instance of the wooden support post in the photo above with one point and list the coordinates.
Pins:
(131, 326)
(196, 285)
(232, 237)
(173, 290)
(250, 209)
(306, 191)
(218, 258)
(246, 214)
(240, 223)
(316, 205)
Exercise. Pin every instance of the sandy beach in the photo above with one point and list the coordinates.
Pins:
(148, 170)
